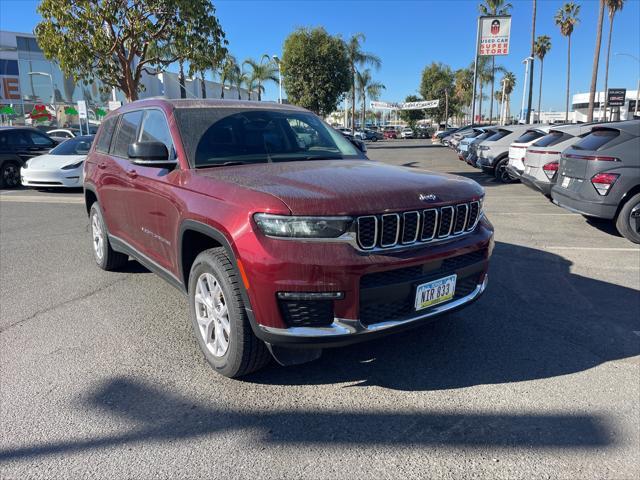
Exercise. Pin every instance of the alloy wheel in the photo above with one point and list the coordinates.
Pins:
(212, 313)
(634, 218)
(10, 175)
(98, 236)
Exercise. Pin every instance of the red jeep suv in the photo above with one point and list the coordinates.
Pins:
(284, 236)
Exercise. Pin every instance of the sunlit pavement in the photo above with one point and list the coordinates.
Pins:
(101, 375)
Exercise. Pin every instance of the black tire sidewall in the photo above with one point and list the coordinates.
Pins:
(622, 222)
(228, 363)
(5, 165)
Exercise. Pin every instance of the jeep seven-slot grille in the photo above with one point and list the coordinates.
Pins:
(414, 227)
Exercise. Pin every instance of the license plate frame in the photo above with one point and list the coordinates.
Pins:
(425, 293)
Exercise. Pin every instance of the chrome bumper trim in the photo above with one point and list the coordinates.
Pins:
(345, 327)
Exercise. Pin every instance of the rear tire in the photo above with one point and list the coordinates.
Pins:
(501, 172)
(228, 344)
(628, 220)
(10, 174)
(105, 256)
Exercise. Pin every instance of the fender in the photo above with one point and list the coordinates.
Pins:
(222, 239)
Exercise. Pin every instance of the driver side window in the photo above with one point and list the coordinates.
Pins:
(155, 129)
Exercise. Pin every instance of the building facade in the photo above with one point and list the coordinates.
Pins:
(33, 90)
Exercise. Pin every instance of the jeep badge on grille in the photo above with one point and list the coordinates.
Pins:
(427, 197)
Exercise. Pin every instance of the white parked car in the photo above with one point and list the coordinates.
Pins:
(406, 133)
(63, 133)
(61, 167)
(518, 149)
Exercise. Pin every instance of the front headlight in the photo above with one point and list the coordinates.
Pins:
(302, 227)
(71, 166)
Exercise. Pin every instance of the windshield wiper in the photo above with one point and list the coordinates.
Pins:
(225, 164)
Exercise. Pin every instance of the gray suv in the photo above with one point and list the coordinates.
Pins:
(493, 153)
(599, 176)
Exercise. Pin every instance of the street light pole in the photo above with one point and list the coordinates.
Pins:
(277, 60)
(524, 86)
(502, 111)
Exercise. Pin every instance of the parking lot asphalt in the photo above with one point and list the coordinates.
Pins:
(101, 376)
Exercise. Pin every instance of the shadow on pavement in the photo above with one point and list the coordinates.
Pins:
(536, 320)
(156, 415)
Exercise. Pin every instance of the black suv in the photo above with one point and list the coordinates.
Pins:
(17, 145)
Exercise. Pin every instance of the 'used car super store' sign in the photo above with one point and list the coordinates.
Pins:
(494, 35)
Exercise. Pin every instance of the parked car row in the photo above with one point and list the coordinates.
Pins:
(592, 169)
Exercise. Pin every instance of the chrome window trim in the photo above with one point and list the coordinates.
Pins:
(404, 222)
(453, 217)
(435, 226)
(466, 216)
(395, 242)
(345, 327)
(375, 232)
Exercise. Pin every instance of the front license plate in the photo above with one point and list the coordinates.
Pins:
(565, 182)
(435, 292)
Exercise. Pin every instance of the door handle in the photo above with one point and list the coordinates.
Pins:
(132, 173)
(102, 165)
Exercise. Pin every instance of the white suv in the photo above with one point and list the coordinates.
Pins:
(518, 149)
(406, 132)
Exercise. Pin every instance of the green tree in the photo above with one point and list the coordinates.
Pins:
(412, 116)
(110, 39)
(229, 69)
(566, 19)
(367, 87)
(596, 61)
(508, 83)
(542, 47)
(438, 83)
(315, 69)
(358, 58)
(206, 56)
(262, 71)
(613, 6)
(493, 7)
(463, 86)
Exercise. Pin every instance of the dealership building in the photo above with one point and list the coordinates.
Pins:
(34, 89)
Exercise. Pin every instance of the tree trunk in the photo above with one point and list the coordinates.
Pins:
(364, 110)
(480, 104)
(259, 92)
(566, 111)
(533, 43)
(203, 87)
(540, 89)
(606, 70)
(596, 60)
(222, 80)
(353, 99)
(183, 90)
(493, 87)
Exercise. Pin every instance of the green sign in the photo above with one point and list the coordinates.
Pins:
(70, 111)
(100, 112)
(7, 110)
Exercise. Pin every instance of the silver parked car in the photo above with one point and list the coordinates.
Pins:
(493, 153)
(599, 176)
(518, 149)
(542, 159)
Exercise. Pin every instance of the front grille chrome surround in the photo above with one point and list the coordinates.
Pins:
(396, 230)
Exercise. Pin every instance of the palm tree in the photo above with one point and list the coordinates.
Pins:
(484, 75)
(227, 72)
(614, 6)
(566, 19)
(358, 58)
(542, 47)
(596, 61)
(508, 83)
(493, 7)
(262, 72)
(463, 86)
(367, 87)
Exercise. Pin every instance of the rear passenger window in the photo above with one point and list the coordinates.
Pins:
(551, 139)
(529, 136)
(106, 132)
(596, 139)
(498, 135)
(127, 133)
(155, 129)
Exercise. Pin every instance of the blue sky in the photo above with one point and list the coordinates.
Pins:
(408, 35)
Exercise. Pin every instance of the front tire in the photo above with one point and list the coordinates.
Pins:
(105, 256)
(219, 318)
(628, 220)
(501, 172)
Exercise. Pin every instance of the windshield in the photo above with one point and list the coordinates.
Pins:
(74, 146)
(215, 137)
(498, 135)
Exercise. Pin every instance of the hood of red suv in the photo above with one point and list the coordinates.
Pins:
(346, 187)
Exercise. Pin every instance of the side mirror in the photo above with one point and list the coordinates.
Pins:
(359, 144)
(149, 153)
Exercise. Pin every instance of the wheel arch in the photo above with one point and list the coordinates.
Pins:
(90, 197)
(625, 198)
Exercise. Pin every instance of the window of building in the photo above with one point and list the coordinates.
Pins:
(127, 133)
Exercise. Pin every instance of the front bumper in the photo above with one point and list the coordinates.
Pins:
(30, 177)
(378, 289)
